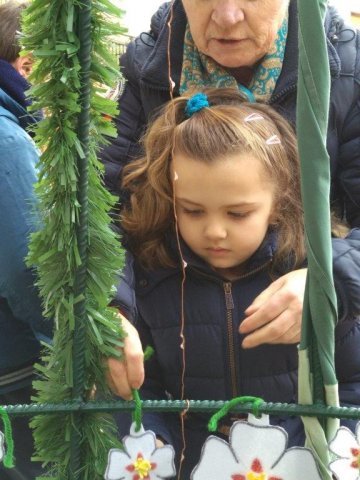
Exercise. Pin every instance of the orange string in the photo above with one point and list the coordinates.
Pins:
(182, 420)
(171, 83)
(182, 313)
(182, 330)
(183, 264)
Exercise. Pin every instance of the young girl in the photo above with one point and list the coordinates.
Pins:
(214, 217)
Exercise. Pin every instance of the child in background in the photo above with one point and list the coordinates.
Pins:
(214, 217)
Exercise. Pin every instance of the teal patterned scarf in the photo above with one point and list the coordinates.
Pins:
(199, 70)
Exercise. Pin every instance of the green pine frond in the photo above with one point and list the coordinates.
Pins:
(50, 28)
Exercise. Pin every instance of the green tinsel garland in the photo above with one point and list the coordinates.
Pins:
(50, 33)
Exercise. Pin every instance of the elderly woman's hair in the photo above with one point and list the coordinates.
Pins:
(10, 28)
(229, 126)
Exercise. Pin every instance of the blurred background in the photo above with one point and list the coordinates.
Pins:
(138, 13)
(349, 9)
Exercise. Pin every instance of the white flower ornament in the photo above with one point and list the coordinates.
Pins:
(256, 451)
(346, 446)
(2, 446)
(140, 459)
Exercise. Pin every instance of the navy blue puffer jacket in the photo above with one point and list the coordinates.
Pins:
(216, 367)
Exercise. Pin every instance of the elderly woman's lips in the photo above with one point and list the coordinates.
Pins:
(229, 42)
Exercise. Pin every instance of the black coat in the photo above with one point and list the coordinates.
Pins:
(145, 68)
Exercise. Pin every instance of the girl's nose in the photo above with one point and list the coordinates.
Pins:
(215, 231)
(227, 14)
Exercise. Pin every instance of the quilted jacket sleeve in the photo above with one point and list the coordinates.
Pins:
(153, 386)
(347, 332)
(349, 148)
(129, 125)
(124, 298)
(346, 267)
(349, 174)
(134, 105)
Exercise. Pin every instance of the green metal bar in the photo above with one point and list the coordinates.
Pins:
(209, 406)
(82, 233)
(79, 369)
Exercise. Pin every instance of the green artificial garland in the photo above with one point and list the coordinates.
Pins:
(52, 31)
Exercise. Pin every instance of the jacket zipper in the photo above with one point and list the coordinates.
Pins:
(229, 302)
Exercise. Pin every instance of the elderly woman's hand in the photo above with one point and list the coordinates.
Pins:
(125, 375)
(275, 315)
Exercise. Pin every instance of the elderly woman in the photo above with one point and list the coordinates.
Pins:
(253, 46)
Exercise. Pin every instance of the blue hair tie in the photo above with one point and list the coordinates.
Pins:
(196, 103)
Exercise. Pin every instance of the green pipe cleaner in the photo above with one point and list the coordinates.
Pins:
(256, 401)
(9, 441)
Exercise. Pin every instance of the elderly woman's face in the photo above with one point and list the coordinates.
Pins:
(235, 33)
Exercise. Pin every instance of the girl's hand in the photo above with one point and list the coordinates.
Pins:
(124, 375)
(159, 443)
(275, 314)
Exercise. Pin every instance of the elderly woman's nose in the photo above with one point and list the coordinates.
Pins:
(227, 13)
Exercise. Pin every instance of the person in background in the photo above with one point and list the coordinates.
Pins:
(22, 327)
(214, 217)
(252, 46)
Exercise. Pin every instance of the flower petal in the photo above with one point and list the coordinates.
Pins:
(263, 420)
(144, 443)
(343, 442)
(164, 459)
(357, 432)
(250, 442)
(297, 464)
(116, 467)
(343, 471)
(216, 461)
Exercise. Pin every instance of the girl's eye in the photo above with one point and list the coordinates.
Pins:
(239, 214)
(192, 212)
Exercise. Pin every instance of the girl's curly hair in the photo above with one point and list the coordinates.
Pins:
(207, 136)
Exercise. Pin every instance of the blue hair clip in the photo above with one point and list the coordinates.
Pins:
(196, 103)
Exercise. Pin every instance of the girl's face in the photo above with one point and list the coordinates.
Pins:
(235, 33)
(223, 209)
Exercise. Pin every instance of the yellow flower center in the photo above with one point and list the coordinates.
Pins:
(142, 467)
(256, 476)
